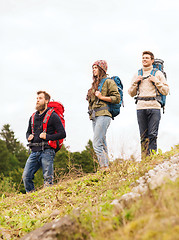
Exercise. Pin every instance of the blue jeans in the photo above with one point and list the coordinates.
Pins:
(100, 126)
(36, 160)
(148, 120)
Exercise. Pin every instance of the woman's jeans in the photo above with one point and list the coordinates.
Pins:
(100, 126)
(36, 160)
(148, 120)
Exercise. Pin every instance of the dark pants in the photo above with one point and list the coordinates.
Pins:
(148, 120)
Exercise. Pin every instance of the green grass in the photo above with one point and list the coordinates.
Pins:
(153, 216)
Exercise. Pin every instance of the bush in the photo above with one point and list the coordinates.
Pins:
(7, 186)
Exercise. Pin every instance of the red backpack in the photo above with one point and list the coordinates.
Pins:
(59, 109)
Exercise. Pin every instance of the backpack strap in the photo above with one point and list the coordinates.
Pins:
(101, 83)
(153, 72)
(140, 72)
(32, 122)
(46, 119)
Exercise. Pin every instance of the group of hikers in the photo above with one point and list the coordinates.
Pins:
(46, 127)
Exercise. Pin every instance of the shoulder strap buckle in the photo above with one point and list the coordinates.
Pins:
(46, 119)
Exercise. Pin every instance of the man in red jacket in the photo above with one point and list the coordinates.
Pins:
(42, 154)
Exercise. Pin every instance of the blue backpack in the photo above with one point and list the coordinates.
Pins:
(114, 109)
(157, 65)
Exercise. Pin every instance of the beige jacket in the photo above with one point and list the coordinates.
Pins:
(147, 89)
(109, 89)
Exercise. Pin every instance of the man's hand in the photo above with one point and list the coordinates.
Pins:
(43, 135)
(139, 78)
(98, 94)
(31, 136)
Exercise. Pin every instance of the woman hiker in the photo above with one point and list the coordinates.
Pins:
(98, 110)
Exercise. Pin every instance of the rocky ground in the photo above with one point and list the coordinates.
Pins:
(154, 178)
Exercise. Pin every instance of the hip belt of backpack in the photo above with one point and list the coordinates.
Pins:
(93, 112)
(41, 144)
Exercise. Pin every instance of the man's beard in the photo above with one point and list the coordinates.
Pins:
(40, 107)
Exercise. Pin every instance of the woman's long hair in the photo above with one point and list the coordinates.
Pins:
(95, 83)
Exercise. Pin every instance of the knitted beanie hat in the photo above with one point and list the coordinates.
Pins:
(102, 64)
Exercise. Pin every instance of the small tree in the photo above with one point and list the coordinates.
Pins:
(13, 145)
(8, 136)
(8, 161)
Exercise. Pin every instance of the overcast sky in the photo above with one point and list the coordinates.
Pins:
(51, 45)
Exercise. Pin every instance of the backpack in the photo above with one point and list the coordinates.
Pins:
(157, 65)
(59, 109)
(114, 109)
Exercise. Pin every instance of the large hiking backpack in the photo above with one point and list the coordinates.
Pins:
(59, 109)
(114, 109)
(157, 65)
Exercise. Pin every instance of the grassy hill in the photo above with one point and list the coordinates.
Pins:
(87, 199)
